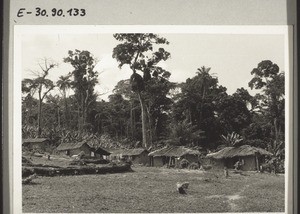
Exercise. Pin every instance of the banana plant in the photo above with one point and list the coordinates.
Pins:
(232, 139)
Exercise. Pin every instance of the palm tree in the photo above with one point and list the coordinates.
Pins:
(64, 83)
(204, 82)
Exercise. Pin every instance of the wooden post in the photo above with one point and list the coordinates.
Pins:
(170, 161)
(257, 163)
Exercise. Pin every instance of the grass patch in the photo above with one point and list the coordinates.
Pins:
(152, 190)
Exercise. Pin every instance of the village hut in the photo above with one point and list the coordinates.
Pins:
(157, 157)
(71, 149)
(100, 153)
(136, 156)
(115, 154)
(37, 144)
(250, 157)
(173, 155)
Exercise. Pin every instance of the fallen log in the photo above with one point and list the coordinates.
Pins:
(79, 170)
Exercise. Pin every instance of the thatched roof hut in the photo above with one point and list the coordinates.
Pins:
(242, 151)
(251, 157)
(68, 146)
(136, 155)
(170, 155)
(74, 148)
(38, 144)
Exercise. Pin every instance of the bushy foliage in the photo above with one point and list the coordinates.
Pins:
(232, 139)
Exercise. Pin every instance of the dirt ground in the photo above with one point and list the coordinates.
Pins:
(150, 189)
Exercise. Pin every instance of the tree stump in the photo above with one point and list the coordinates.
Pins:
(182, 187)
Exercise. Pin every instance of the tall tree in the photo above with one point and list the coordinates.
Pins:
(64, 83)
(41, 85)
(137, 51)
(270, 80)
(197, 103)
(84, 81)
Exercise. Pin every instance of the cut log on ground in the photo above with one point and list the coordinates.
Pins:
(182, 187)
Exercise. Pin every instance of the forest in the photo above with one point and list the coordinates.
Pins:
(150, 111)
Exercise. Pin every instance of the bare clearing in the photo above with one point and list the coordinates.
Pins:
(150, 189)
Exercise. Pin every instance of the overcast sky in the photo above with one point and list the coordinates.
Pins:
(230, 56)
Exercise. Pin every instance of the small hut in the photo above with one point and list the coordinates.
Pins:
(74, 149)
(100, 153)
(172, 155)
(136, 156)
(157, 157)
(250, 157)
(115, 154)
(37, 144)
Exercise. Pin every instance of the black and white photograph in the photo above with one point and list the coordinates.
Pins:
(151, 119)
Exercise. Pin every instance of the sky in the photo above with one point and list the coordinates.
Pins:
(231, 57)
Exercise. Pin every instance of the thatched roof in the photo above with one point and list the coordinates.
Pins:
(70, 146)
(176, 151)
(159, 152)
(127, 152)
(101, 151)
(34, 140)
(242, 151)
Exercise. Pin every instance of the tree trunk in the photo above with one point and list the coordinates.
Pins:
(39, 132)
(66, 122)
(150, 128)
(144, 122)
(58, 117)
(132, 122)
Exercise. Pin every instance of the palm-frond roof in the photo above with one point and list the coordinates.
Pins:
(127, 152)
(242, 151)
(176, 151)
(70, 146)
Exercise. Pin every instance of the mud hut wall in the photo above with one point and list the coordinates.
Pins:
(142, 158)
(85, 148)
(230, 162)
(249, 163)
(114, 157)
(105, 157)
(158, 161)
(218, 163)
(191, 158)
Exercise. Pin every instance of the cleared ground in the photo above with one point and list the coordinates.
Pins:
(150, 189)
